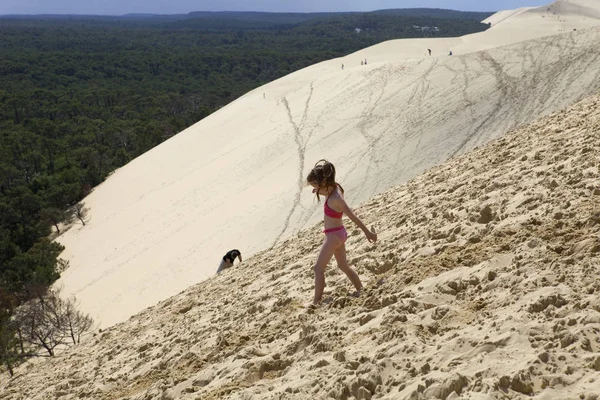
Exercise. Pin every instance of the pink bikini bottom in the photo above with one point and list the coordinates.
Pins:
(339, 231)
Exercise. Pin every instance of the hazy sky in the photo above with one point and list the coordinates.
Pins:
(118, 7)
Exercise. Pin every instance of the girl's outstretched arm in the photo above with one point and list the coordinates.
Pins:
(371, 235)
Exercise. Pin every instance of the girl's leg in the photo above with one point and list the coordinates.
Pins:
(330, 244)
(340, 257)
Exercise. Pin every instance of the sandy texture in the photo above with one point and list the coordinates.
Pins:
(235, 179)
(483, 285)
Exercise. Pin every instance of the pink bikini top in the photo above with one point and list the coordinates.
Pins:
(330, 212)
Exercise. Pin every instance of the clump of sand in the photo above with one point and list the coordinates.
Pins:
(483, 285)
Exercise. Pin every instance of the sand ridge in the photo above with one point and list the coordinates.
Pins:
(483, 285)
(234, 180)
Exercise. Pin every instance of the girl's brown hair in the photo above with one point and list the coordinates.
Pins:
(323, 174)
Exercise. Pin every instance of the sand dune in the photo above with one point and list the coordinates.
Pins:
(234, 180)
(483, 285)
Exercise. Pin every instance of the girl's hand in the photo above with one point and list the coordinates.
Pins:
(371, 235)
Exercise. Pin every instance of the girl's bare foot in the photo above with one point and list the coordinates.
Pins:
(312, 306)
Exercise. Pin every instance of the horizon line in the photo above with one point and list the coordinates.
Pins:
(238, 11)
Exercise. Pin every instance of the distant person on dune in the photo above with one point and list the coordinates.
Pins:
(429, 50)
(228, 259)
(322, 179)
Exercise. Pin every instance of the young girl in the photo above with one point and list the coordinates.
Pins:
(322, 179)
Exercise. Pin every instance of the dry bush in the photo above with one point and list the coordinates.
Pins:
(48, 321)
(79, 211)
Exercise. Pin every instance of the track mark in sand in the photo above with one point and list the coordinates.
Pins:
(467, 84)
(301, 148)
(503, 85)
(419, 81)
(368, 118)
(570, 58)
(542, 67)
(420, 93)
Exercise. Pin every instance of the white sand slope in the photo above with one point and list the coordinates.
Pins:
(234, 179)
